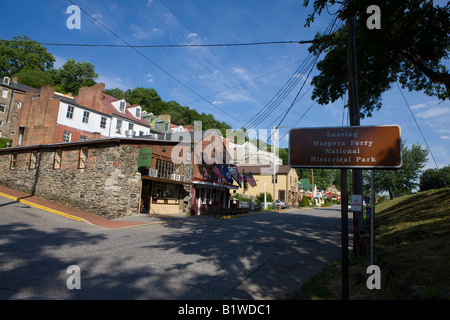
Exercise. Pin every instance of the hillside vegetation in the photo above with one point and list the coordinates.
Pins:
(412, 239)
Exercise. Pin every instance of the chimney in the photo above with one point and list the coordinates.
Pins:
(15, 79)
(91, 97)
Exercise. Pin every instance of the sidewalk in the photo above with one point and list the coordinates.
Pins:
(69, 212)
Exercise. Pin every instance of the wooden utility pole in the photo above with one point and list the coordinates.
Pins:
(353, 107)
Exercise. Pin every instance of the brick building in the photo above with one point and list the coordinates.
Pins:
(48, 117)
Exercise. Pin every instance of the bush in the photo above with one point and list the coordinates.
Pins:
(305, 202)
(3, 142)
(260, 198)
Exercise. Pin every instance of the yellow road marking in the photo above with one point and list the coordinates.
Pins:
(60, 213)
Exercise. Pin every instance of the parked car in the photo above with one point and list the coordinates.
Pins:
(280, 204)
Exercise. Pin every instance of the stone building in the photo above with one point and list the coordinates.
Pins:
(115, 177)
(12, 97)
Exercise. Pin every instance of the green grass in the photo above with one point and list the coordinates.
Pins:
(412, 246)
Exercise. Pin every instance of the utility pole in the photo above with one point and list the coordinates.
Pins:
(353, 107)
(273, 162)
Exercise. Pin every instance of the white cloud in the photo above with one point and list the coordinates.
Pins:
(138, 32)
(114, 82)
(240, 72)
(434, 112)
(150, 78)
(59, 61)
(418, 106)
(192, 35)
(445, 137)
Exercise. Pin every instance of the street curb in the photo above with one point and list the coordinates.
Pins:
(60, 213)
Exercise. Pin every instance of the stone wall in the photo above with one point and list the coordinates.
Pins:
(109, 185)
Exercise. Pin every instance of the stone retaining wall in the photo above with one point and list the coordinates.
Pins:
(109, 185)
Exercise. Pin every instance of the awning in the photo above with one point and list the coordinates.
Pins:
(214, 184)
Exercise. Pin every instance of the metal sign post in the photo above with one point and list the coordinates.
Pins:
(354, 147)
(344, 233)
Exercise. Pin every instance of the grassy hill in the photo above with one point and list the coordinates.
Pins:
(412, 239)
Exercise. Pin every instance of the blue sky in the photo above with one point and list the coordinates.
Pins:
(236, 81)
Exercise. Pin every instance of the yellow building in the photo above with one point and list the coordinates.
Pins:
(286, 183)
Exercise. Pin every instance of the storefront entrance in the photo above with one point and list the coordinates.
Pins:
(164, 196)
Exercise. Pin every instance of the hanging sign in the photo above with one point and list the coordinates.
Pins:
(145, 157)
(359, 147)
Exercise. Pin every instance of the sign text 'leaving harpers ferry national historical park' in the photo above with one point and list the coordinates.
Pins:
(363, 147)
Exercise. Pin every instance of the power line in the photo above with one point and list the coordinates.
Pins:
(126, 45)
(423, 137)
(329, 30)
(152, 62)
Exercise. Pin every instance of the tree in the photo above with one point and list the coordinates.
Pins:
(34, 77)
(402, 181)
(148, 99)
(73, 75)
(435, 178)
(402, 50)
(116, 93)
(22, 52)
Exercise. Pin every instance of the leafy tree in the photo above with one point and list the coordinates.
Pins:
(409, 48)
(148, 99)
(73, 75)
(322, 177)
(435, 178)
(22, 52)
(117, 93)
(34, 77)
(402, 181)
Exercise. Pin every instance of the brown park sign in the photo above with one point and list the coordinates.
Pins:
(361, 147)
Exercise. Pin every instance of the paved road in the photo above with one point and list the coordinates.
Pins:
(262, 256)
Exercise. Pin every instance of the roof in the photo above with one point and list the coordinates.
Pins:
(256, 170)
(18, 86)
(107, 102)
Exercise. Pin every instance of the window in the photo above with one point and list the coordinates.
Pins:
(83, 158)
(33, 159)
(122, 107)
(83, 138)
(5, 94)
(2, 108)
(21, 135)
(13, 161)
(57, 159)
(166, 126)
(66, 136)
(138, 113)
(103, 122)
(69, 114)
(166, 169)
(119, 126)
(1, 123)
(130, 126)
(86, 117)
